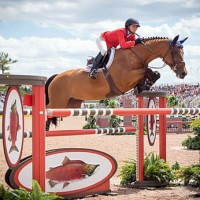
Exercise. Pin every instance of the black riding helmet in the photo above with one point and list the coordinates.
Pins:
(131, 21)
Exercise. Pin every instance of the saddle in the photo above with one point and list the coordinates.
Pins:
(104, 64)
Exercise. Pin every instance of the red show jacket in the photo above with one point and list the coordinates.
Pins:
(119, 37)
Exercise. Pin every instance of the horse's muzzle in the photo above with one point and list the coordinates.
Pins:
(181, 70)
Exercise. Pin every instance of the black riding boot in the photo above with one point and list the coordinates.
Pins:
(93, 71)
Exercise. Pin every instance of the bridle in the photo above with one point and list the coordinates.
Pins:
(174, 54)
(172, 50)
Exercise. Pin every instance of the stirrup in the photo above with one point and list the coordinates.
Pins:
(93, 74)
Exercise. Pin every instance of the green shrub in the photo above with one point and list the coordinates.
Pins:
(128, 172)
(172, 101)
(196, 127)
(189, 175)
(4, 194)
(91, 123)
(114, 121)
(155, 169)
(193, 143)
(185, 125)
(22, 194)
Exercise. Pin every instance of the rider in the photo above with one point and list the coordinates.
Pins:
(125, 37)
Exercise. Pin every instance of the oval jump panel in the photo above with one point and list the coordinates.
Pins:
(13, 126)
(69, 171)
(151, 123)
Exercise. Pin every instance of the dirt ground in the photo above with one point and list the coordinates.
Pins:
(122, 148)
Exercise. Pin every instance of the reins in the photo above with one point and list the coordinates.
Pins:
(152, 51)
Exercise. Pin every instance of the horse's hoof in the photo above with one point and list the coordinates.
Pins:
(148, 87)
(138, 90)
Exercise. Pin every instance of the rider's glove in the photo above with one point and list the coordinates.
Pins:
(138, 41)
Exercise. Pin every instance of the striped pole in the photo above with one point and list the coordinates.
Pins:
(82, 132)
(90, 131)
(126, 111)
(25, 111)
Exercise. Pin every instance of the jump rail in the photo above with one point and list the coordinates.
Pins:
(82, 132)
(25, 112)
(125, 111)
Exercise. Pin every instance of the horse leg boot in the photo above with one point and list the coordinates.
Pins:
(152, 76)
(153, 79)
(93, 71)
(149, 79)
(156, 76)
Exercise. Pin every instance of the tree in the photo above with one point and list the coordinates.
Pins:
(4, 62)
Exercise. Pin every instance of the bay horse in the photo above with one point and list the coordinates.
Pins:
(70, 88)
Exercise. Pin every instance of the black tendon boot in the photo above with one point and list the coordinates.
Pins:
(93, 71)
(156, 76)
(152, 80)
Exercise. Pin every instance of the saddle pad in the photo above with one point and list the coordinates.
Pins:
(108, 64)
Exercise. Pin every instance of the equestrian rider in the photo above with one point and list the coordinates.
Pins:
(125, 37)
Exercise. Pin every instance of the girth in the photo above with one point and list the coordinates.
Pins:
(113, 89)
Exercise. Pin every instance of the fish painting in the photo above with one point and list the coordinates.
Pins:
(68, 171)
(152, 121)
(13, 127)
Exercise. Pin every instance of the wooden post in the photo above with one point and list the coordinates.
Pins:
(38, 137)
(140, 141)
(162, 129)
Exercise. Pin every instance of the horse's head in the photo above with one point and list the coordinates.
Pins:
(174, 57)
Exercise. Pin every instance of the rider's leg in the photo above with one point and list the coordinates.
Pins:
(103, 49)
(93, 71)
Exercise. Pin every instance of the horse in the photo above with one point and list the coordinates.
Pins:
(128, 70)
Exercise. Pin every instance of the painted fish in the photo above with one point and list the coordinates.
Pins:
(13, 127)
(152, 121)
(68, 171)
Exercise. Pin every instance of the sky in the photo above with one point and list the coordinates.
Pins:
(51, 36)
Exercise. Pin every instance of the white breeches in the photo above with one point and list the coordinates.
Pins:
(101, 45)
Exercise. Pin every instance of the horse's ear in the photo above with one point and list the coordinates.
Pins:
(181, 41)
(175, 40)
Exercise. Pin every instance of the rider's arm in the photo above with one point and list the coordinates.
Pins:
(123, 43)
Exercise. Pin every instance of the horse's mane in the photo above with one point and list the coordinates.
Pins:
(152, 39)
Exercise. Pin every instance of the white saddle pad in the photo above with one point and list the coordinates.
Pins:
(108, 64)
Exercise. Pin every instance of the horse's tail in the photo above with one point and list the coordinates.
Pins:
(54, 119)
(47, 86)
